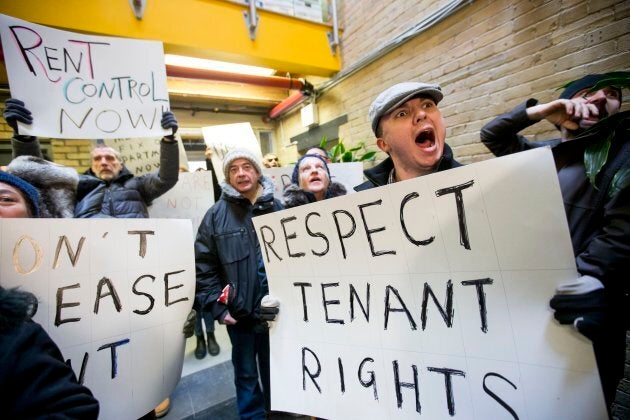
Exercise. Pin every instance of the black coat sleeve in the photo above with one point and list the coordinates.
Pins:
(500, 135)
(36, 382)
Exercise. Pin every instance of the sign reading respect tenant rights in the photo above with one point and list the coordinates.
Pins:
(429, 299)
(84, 86)
(113, 295)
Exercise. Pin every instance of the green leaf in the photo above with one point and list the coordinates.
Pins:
(342, 148)
(322, 143)
(595, 157)
(355, 148)
(367, 156)
(347, 157)
(335, 152)
(620, 181)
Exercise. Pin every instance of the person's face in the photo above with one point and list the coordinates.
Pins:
(12, 203)
(271, 161)
(318, 152)
(313, 176)
(607, 100)
(243, 176)
(105, 164)
(413, 135)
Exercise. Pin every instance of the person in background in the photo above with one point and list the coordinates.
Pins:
(231, 280)
(596, 303)
(409, 127)
(35, 381)
(107, 189)
(311, 182)
(319, 151)
(270, 160)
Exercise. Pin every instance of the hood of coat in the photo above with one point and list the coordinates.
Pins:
(57, 184)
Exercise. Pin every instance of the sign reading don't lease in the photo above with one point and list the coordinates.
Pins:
(83, 86)
(114, 295)
(429, 299)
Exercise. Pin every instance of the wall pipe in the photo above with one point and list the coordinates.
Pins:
(426, 23)
(287, 104)
(222, 76)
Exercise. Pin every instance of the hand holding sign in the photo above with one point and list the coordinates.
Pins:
(14, 112)
(169, 122)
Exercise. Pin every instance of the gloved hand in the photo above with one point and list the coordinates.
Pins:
(587, 311)
(189, 324)
(169, 122)
(269, 308)
(15, 111)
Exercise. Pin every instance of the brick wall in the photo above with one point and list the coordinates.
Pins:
(489, 56)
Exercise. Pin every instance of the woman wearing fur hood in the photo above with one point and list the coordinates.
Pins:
(311, 182)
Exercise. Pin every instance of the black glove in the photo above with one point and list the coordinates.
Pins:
(269, 308)
(189, 325)
(169, 122)
(587, 312)
(15, 111)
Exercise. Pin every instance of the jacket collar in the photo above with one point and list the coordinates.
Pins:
(230, 193)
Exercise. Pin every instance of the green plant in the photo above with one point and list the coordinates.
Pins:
(339, 153)
(608, 129)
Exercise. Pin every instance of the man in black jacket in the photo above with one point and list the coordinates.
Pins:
(231, 279)
(409, 127)
(599, 218)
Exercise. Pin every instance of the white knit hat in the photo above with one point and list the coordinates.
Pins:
(234, 154)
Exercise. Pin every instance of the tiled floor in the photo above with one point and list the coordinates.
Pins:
(206, 390)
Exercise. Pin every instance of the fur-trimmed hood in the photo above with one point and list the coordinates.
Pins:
(294, 196)
(16, 307)
(57, 184)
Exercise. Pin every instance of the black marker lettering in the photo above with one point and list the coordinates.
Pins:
(60, 305)
(403, 203)
(306, 371)
(291, 236)
(369, 231)
(481, 297)
(450, 399)
(447, 313)
(330, 302)
(461, 214)
(347, 235)
(268, 243)
(403, 309)
(302, 286)
(316, 234)
(399, 385)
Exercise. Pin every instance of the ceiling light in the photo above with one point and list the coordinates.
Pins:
(200, 63)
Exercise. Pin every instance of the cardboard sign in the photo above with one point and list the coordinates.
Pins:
(84, 86)
(429, 299)
(223, 138)
(142, 155)
(190, 198)
(348, 174)
(114, 295)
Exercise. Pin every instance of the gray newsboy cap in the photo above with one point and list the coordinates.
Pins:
(399, 94)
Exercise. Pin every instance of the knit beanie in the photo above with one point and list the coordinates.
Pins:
(29, 192)
(585, 82)
(295, 177)
(234, 154)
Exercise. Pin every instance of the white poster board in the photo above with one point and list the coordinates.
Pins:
(429, 299)
(348, 174)
(142, 155)
(190, 198)
(134, 283)
(84, 86)
(223, 138)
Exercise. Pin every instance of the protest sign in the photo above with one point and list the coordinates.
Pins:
(348, 174)
(142, 155)
(223, 138)
(190, 198)
(114, 295)
(84, 86)
(429, 299)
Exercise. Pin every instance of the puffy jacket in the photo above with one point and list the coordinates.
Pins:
(378, 175)
(127, 196)
(227, 252)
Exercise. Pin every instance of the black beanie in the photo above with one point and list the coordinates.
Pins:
(585, 82)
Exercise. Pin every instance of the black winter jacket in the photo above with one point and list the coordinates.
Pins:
(227, 252)
(127, 196)
(599, 224)
(35, 382)
(378, 175)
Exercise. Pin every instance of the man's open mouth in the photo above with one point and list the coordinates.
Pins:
(426, 138)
